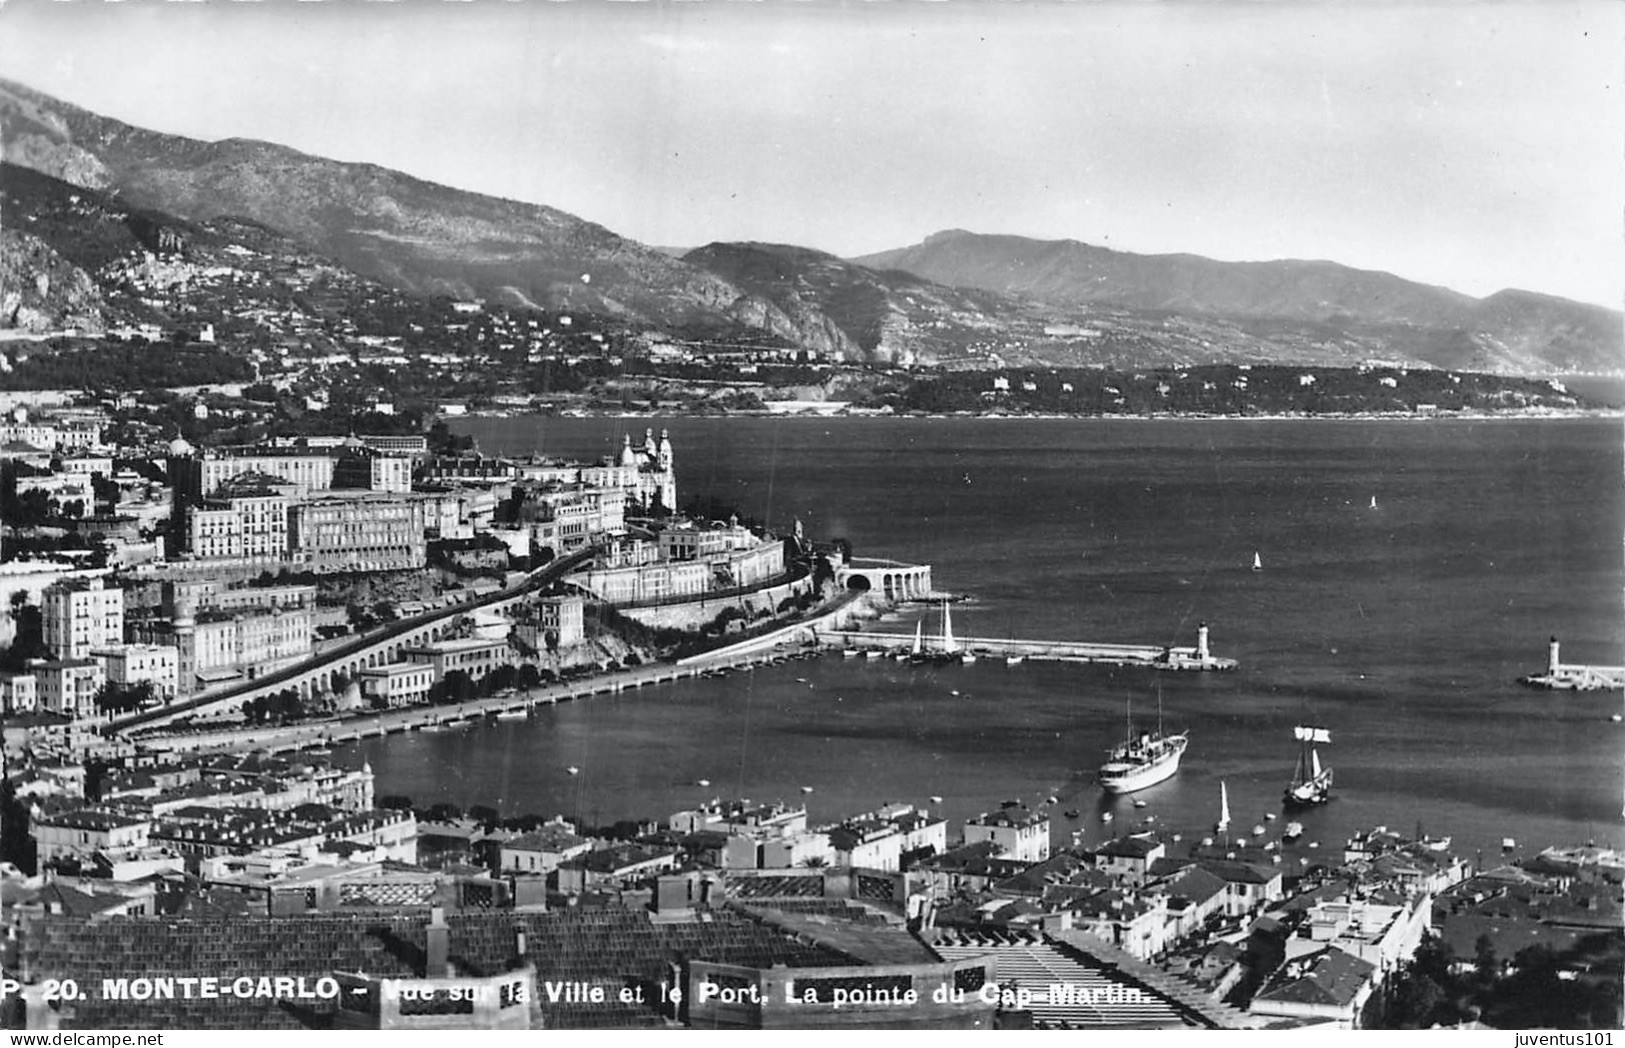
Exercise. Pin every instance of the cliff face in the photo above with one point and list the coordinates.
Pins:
(41, 291)
(383, 224)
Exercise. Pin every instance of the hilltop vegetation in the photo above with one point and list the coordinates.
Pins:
(1228, 390)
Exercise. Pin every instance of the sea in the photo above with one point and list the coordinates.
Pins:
(1411, 572)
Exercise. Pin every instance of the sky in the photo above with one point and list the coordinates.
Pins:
(1476, 145)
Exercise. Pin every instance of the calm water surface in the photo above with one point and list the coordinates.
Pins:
(1401, 628)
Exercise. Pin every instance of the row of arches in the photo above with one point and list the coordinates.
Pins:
(894, 582)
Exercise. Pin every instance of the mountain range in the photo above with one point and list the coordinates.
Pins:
(958, 299)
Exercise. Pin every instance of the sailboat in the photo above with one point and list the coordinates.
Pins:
(916, 650)
(950, 647)
(1258, 562)
(1311, 783)
(1142, 760)
(1223, 825)
(1373, 502)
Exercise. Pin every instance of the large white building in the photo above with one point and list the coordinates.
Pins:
(81, 615)
(195, 475)
(360, 531)
(247, 517)
(68, 686)
(129, 665)
(1017, 832)
(214, 647)
(646, 472)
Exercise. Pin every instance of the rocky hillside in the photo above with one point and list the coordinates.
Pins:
(41, 291)
(958, 299)
(382, 224)
(869, 314)
(1512, 331)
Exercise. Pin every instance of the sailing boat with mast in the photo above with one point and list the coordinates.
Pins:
(951, 649)
(916, 651)
(1311, 784)
(1142, 760)
(1258, 562)
(1223, 825)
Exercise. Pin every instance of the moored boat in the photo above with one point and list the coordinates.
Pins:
(1142, 759)
(1293, 831)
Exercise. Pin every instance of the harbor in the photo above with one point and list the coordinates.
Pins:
(1561, 676)
(1198, 658)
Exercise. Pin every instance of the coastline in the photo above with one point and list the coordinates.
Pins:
(1581, 414)
(773, 648)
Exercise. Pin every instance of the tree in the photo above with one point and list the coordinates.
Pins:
(394, 802)
(445, 811)
(1485, 964)
(459, 686)
(485, 815)
(125, 698)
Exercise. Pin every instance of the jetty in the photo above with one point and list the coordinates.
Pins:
(1561, 676)
(1157, 657)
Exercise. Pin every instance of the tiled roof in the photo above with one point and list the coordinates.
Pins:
(1335, 979)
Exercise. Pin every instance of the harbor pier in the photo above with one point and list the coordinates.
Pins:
(1561, 676)
(1197, 659)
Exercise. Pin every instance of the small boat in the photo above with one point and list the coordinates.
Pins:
(967, 658)
(1616, 718)
(1139, 804)
(806, 789)
(511, 715)
(936, 799)
(1311, 784)
(873, 653)
(1293, 831)
(849, 653)
(573, 770)
(701, 782)
(1105, 816)
(1052, 799)
(1014, 660)
(801, 680)
(1258, 562)
(1071, 813)
(954, 693)
(1269, 816)
(1258, 829)
(1508, 844)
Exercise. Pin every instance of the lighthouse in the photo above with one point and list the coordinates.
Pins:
(1201, 642)
(1551, 658)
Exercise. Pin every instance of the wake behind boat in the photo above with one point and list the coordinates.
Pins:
(1142, 760)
